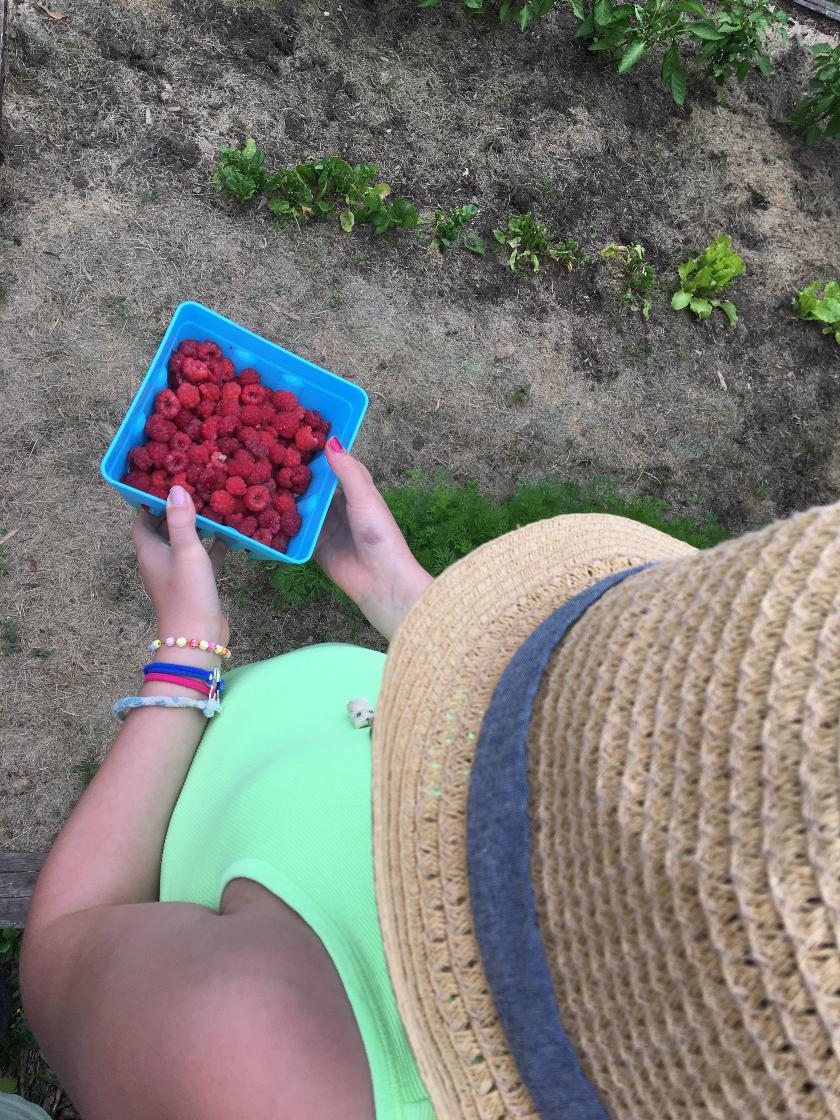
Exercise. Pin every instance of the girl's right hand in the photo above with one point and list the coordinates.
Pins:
(362, 549)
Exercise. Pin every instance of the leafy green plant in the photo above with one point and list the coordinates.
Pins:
(735, 39)
(442, 522)
(314, 190)
(819, 114)
(637, 276)
(821, 307)
(524, 11)
(703, 277)
(447, 229)
(18, 1038)
(528, 241)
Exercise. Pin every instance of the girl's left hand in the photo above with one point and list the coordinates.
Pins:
(178, 573)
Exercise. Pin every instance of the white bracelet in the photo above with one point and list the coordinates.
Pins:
(122, 707)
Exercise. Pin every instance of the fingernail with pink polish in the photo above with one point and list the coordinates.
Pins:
(334, 444)
(177, 496)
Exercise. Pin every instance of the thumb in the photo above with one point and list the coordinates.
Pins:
(180, 519)
(355, 478)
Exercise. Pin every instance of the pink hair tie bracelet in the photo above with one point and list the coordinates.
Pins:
(190, 643)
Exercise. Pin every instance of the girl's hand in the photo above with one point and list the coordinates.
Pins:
(178, 573)
(362, 549)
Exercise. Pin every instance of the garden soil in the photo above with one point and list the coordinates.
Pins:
(113, 116)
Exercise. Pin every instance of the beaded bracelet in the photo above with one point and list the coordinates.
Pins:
(129, 703)
(190, 643)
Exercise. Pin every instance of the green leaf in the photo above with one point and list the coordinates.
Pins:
(679, 86)
(473, 243)
(702, 308)
(729, 311)
(577, 9)
(832, 129)
(428, 3)
(693, 7)
(764, 64)
(347, 219)
(705, 31)
(631, 56)
(500, 236)
(585, 29)
(8, 1085)
(680, 299)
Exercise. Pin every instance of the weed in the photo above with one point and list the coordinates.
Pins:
(734, 40)
(637, 277)
(443, 522)
(474, 243)
(448, 228)
(825, 308)
(529, 241)
(10, 642)
(524, 11)
(319, 189)
(521, 393)
(356, 257)
(87, 770)
(819, 113)
(116, 303)
(153, 196)
(701, 278)
(335, 300)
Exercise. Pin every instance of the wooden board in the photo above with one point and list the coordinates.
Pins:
(18, 872)
(3, 29)
(824, 7)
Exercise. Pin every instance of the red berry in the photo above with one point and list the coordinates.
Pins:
(269, 519)
(198, 453)
(193, 429)
(301, 477)
(207, 350)
(284, 401)
(228, 425)
(257, 445)
(176, 461)
(221, 368)
(139, 457)
(241, 463)
(184, 419)
(228, 445)
(293, 458)
(159, 478)
(206, 409)
(231, 391)
(280, 543)
(210, 429)
(304, 439)
(249, 376)
(140, 480)
(277, 454)
(264, 536)
(161, 492)
(194, 473)
(285, 424)
(234, 520)
(180, 441)
(188, 348)
(283, 501)
(195, 370)
(167, 405)
(159, 429)
(212, 478)
(218, 459)
(221, 502)
(229, 408)
(249, 525)
(199, 504)
(290, 522)
(236, 485)
(250, 414)
(256, 498)
(252, 393)
(175, 363)
(188, 395)
(158, 450)
(283, 478)
(209, 390)
(260, 473)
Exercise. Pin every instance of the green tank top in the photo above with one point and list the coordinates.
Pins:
(280, 792)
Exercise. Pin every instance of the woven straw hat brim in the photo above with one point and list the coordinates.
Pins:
(685, 808)
(442, 669)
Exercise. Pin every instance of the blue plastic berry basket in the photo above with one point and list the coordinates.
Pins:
(338, 400)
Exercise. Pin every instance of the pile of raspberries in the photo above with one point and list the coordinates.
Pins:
(239, 448)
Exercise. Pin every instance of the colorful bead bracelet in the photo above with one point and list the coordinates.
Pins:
(190, 643)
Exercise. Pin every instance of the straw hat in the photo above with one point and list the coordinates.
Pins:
(680, 810)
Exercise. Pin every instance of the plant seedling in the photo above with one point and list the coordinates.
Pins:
(822, 308)
(637, 277)
(819, 113)
(524, 12)
(448, 228)
(703, 277)
(734, 40)
(529, 241)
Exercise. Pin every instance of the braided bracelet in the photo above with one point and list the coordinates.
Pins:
(190, 643)
(128, 703)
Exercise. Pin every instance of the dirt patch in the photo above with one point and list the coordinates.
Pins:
(113, 120)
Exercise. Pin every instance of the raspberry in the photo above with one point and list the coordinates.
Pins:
(249, 525)
(257, 445)
(267, 414)
(285, 424)
(221, 502)
(208, 349)
(253, 393)
(229, 408)
(167, 405)
(228, 445)
(210, 429)
(301, 477)
(283, 477)
(199, 504)
(194, 474)
(256, 498)
(180, 441)
(211, 478)
(304, 439)
(293, 458)
(139, 457)
(312, 418)
(269, 519)
(249, 376)
(206, 409)
(209, 390)
(277, 455)
(241, 463)
(264, 536)
(140, 480)
(198, 453)
(188, 348)
(184, 419)
(228, 425)
(175, 363)
(195, 371)
(176, 461)
(159, 429)
(290, 522)
(218, 459)
(231, 390)
(159, 478)
(320, 440)
(284, 401)
(188, 395)
(221, 368)
(193, 429)
(157, 451)
(283, 501)
(179, 478)
(259, 473)
(236, 485)
(234, 520)
(280, 542)
(161, 492)
(250, 414)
